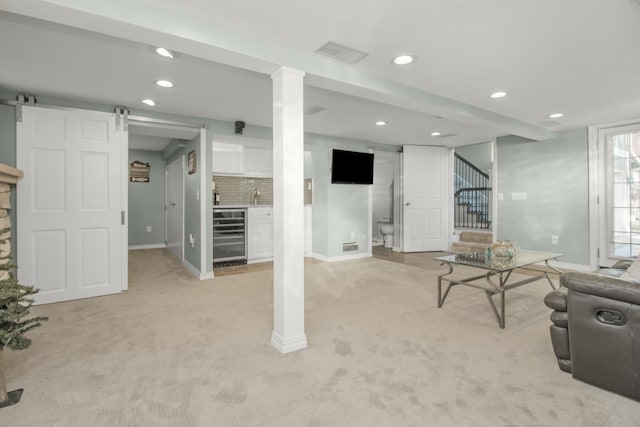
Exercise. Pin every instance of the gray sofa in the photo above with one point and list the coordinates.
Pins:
(594, 323)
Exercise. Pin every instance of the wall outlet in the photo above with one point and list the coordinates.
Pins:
(554, 240)
(148, 229)
(192, 240)
(198, 194)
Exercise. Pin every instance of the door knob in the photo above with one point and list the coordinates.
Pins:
(172, 204)
(408, 204)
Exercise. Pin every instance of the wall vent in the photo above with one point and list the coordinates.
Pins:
(349, 246)
(342, 53)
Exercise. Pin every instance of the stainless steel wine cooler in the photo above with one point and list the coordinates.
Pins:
(229, 236)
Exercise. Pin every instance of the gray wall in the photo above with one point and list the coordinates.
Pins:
(146, 201)
(554, 175)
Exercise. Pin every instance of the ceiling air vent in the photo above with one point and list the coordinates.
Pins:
(342, 53)
(447, 135)
(313, 110)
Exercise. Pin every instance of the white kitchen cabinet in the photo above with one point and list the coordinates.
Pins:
(227, 158)
(260, 232)
(257, 161)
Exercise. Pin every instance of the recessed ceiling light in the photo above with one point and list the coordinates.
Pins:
(150, 102)
(404, 59)
(497, 95)
(435, 133)
(164, 52)
(164, 83)
(381, 123)
(555, 115)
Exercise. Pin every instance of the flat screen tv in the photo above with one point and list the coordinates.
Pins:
(351, 167)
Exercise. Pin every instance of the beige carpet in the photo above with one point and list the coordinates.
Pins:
(175, 351)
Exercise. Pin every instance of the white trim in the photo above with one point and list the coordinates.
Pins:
(259, 260)
(494, 190)
(359, 255)
(568, 266)
(594, 185)
(194, 271)
(124, 206)
(288, 345)
(152, 246)
(204, 202)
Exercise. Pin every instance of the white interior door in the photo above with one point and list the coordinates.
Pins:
(175, 207)
(425, 210)
(71, 239)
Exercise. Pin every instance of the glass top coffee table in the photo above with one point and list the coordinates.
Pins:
(496, 276)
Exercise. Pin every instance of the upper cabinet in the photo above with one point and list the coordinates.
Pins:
(258, 161)
(242, 156)
(227, 158)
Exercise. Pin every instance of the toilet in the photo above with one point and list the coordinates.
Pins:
(386, 229)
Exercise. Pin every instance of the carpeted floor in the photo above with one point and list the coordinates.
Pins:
(175, 351)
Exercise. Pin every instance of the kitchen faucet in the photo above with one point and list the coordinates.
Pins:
(256, 194)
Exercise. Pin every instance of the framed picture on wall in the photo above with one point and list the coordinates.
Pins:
(191, 162)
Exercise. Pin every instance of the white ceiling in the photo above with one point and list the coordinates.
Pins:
(578, 57)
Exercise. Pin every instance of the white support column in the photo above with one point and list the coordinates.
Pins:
(288, 211)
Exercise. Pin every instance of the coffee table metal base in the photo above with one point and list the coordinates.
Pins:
(492, 288)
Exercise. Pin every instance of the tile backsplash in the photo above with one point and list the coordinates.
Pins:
(239, 190)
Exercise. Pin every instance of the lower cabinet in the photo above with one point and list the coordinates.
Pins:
(260, 232)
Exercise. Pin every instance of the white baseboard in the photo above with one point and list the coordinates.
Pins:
(196, 272)
(258, 260)
(342, 257)
(154, 246)
(289, 344)
(568, 266)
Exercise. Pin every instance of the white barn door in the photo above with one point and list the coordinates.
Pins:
(425, 212)
(70, 204)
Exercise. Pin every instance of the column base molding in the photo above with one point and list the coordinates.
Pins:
(289, 344)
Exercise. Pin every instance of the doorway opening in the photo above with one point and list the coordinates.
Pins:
(156, 204)
(386, 192)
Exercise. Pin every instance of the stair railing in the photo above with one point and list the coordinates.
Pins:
(472, 195)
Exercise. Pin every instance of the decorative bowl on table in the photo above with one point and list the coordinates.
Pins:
(503, 249)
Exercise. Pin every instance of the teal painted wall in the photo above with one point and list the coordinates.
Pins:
(8, 157)
(338, 209)
(192, 203)
(554, 174)
(146, 201)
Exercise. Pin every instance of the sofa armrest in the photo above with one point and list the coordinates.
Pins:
(603, 286)
(557, 299)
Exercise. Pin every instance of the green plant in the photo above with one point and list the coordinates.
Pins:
(15, 301)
